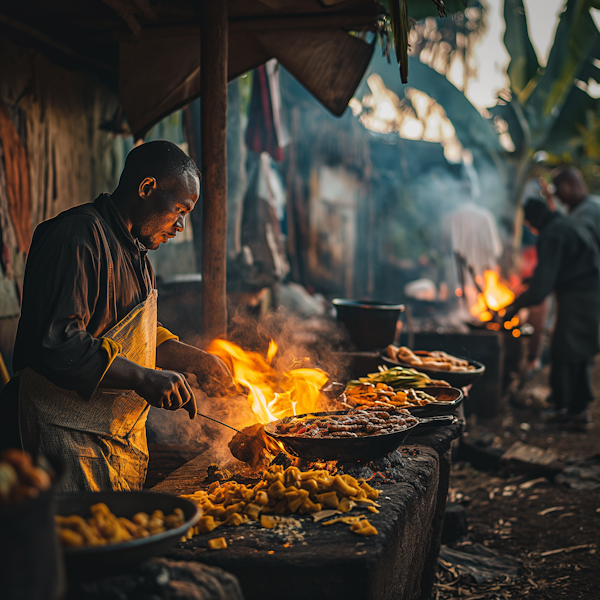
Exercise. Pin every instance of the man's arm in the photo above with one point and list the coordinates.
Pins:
(211, 372)
(544, 277)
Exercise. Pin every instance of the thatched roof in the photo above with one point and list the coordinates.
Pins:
(150, 50)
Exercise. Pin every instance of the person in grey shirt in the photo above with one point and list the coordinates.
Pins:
(572, 191)
(568, 266)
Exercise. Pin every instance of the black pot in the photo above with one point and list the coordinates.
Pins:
(371, 325)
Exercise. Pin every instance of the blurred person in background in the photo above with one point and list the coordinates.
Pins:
(471, 234)
(569, 266)
(571, 190)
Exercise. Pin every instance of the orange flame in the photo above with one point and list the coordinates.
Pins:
(272, 394)
(496, 296)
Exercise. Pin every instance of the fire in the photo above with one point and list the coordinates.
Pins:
(495, 297)
(272, 394)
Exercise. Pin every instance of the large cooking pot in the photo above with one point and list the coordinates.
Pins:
(371, 325)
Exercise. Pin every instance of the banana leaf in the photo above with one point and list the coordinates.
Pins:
(554, 108)
(524, 63)
(568, 128)
(472, 129)
(575, 38)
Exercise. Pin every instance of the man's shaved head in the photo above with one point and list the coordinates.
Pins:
(570, 186)
(162, 160)
(159, 186)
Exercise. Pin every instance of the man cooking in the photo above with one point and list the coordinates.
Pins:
(88, 340)
(572, 191)
(569, 266)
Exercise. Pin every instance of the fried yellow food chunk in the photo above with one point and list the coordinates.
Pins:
(280, 492)
(103, 527)
(363, 527)
(217, 543)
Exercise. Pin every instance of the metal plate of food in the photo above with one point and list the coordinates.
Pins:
(101, 560)
(423, 402)
(447, 400)
(298, 433)
(456, 379)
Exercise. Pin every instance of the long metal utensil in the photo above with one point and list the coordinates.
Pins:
(221, 423)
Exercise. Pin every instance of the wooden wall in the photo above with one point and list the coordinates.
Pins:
(57, 113)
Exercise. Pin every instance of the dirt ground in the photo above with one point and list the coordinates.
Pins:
(559, 547)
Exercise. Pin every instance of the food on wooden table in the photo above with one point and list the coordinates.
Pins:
(383, 396)
(217, 543)
(21, 477)
(104, 528)
(357, 422)
(431, 360)
(280, 492)
(358, 525)
(398, 378)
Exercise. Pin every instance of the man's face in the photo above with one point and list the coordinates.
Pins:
(162, 211)
(565, 191)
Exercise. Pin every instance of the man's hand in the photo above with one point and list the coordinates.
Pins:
(511, 311)
(168, 390)
(163, 389)
(547, 191)
(213, 376)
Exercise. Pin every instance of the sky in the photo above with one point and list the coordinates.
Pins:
(491, 55)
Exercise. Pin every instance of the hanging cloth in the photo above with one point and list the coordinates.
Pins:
(261, 134)
(17, 180)
(102, 441)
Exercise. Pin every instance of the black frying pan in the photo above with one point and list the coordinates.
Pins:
(367, 447)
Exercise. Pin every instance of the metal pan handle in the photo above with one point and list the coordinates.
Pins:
(438, 421)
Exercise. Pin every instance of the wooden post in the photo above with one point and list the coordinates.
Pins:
(213, 82)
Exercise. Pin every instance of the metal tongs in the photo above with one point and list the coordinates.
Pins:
(220, 423)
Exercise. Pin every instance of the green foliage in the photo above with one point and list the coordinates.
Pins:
(524, 63)
(547, 97)
(550, 111)
(575, 38)
(402, 11)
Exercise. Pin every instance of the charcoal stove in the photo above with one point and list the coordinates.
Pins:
(308, 559)
(387, 469)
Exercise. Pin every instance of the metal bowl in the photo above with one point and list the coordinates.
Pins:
(92, 562)
(448, 399)
(456, 379)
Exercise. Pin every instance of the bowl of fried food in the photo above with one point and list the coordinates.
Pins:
(424, 402)
(457, 371)
(105, 532)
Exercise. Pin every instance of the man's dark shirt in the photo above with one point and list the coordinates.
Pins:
(68, 302)
(567, 261)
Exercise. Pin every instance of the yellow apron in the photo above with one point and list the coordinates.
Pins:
(102, 441)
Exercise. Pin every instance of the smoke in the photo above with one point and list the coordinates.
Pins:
(311, 343)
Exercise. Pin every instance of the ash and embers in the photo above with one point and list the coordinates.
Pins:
(388, 469)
